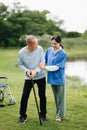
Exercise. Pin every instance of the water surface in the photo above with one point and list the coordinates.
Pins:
(77, 68)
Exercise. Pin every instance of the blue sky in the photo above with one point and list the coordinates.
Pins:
(73, 12)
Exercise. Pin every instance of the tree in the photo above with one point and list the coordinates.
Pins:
(73, 34)
(21, 21)
(3, 25)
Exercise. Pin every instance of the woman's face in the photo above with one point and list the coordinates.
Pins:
(32, 46)
(55, 45)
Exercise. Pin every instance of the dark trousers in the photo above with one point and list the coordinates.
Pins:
(41, 83)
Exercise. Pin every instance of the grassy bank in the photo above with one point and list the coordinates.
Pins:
(76, 48)
(76, 101)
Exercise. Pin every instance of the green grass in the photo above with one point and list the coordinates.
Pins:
(76, 100)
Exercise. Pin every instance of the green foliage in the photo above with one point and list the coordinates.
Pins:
(44, 41)
(84, 35)
(73, 34)
(76, 48)
(21, 21)
(22, 41)
(78, 43)
(3, 11)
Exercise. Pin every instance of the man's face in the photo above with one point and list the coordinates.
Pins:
(32, 46)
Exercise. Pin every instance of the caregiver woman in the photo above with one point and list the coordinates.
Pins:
(55, 60)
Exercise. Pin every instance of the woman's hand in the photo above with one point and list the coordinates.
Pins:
(42, 66)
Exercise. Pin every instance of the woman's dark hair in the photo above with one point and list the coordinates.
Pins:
(57, 39)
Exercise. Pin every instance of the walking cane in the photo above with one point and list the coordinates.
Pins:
(36, 102)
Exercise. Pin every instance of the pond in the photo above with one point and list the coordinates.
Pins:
(77, 68)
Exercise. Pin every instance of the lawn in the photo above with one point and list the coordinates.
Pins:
(76, 100)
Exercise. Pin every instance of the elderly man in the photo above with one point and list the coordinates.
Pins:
(29, 58)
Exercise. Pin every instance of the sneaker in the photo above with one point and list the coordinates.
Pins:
(22, 120)
(43, 118)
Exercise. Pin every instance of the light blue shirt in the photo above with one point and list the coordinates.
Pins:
(59, 59)
(30, 61)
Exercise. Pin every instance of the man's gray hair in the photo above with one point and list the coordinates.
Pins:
(29, 38)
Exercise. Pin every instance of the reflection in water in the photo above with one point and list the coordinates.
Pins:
(77, 68)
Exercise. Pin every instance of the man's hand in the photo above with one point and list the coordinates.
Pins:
(28, 73)
(31, 73)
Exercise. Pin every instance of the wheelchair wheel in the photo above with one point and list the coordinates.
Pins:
(1, 95)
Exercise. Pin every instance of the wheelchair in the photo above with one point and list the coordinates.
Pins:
(5, 91)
